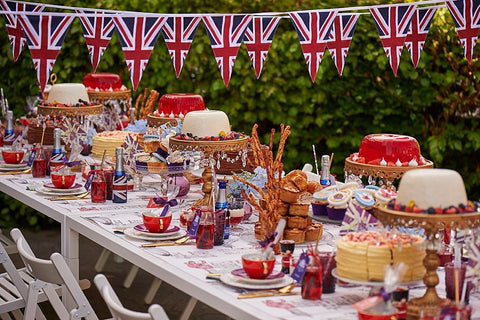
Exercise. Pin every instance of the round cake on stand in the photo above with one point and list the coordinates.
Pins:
(385, 157)
(423, 193)
(208, 132)
(173, 106)
(102, 86)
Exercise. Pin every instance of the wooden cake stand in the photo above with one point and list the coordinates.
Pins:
(110, 95)
(431, 223)
(155, 121)
(208, 148)
(70, 111)
(386, 174)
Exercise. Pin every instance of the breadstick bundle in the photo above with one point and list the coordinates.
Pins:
(145, 103)
(269, 201)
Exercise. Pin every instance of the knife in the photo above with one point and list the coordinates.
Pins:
(264, 294)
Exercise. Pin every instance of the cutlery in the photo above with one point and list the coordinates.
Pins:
(284, 291)
(17, 172)
(167, 243)
(78, 196)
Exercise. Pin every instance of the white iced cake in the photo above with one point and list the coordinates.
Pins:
(67, 93)
(206, 123)
(431, 188)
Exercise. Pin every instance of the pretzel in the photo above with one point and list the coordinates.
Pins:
(142, 109)
(150, 105)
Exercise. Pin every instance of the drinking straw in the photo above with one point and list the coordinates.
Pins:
(457, 262)
(43, 133)
(457, 296)
(318, 240)
(103, 158)
(464, 291)
(315, 157)
(331, 159)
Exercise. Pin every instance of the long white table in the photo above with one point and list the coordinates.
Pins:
(185, 267)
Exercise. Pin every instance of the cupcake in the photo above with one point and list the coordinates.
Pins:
(320, 202)
(176, 161)
(383, 196)
(364, 199)
(337, 205)
(151, 143)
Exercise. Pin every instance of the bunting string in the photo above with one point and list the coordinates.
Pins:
(398, 26)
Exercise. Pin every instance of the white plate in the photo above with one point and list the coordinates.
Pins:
(278, 276)
(6, 167)
(172, 229)
(230, 280)
(371, 283)
(57, 190)
(60, 192)
(132, 233)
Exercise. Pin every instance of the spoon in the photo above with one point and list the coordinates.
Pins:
(284, 291)
(167, 243)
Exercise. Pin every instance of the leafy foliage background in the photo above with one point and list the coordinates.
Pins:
(436, 103)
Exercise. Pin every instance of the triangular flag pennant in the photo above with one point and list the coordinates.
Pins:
(226, 34)
(393, 23)
(258, 39)
(421, 21)
(313, 29)
(466, 16)
(356, 219)
(138, 35)
(97, 31)
(45, 35)
(178, 33)
(340, 38)
(13, 23)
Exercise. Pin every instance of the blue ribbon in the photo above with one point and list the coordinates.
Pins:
(167, 204)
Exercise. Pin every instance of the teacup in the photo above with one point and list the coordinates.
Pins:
(63, 180)
(12, 157)
(154, 222)
(256, 267)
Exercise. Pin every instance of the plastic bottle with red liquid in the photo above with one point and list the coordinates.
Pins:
(99, 186)
(206, 230)
(39, 165)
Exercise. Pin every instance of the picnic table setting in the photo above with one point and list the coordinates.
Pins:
(165, 182)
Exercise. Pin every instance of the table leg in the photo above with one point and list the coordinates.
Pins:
(70, 252)
(188, 308)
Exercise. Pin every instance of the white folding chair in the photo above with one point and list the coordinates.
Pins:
(155, 311)
(47, 275)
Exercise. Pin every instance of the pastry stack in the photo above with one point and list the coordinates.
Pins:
(295, 195)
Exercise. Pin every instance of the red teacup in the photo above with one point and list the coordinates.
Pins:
(63, 181)
(154, 223)
(12, 157)
(256, 267)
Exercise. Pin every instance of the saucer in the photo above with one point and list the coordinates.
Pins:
(140, 228)
(241, 276)
(231, 280)
(20, 165)
(132, 233)
(51, 187)
(60, 192)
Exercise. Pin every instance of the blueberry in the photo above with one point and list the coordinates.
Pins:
(431, 210)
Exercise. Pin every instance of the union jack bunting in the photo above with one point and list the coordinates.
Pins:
(138, 36)
(258, 39)
(97, 31)
(313, 29)
(45, 35)
(466, 16)
(421, 21)
(340, 38)
(13, 23)
(393, 23)
(178, 33)
(226, 35)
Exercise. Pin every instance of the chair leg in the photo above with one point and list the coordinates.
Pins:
(17, 314)
(188, 309)
(152, 291)
(5, 316)
(130, 276)
(102, 260)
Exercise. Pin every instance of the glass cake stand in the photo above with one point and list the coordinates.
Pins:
(431, 223)
(208, 148)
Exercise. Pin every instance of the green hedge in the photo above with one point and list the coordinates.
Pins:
(436, 103)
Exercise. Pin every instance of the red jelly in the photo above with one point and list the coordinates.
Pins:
(177, 103)
(102, 81)
(391, 148)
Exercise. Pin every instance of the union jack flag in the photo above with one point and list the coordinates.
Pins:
(466, 16)
(313, 29)
(258, 39)
(138, 36)
(178, 33)
(13, 24)
(97, 31)
(421, 21)
(226, 35)
(45, 35)
(340, 38)
(393, 23)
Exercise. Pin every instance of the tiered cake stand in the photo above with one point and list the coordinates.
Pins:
(154, 121)
(111, 95)
(432, 223)
(385, 174)
(208, 148)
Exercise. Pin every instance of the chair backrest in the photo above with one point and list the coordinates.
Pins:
(155, 311)
(53, 271)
